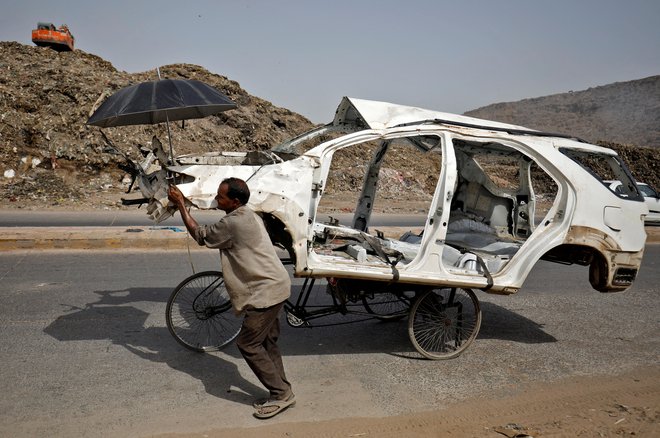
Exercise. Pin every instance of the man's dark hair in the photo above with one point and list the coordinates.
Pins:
(237, 189)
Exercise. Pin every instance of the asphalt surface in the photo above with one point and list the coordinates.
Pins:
(86, 352)
(114, 370)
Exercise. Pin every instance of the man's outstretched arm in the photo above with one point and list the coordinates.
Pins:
(176, 197)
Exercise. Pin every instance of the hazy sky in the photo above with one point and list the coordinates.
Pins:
(450, 56)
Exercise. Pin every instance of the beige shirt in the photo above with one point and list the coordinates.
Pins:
(253, 273)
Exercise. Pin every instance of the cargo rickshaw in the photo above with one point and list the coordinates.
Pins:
(499, 198)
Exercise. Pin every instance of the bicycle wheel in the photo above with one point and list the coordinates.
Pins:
(444, 322)
(387, 306)
(199, 313)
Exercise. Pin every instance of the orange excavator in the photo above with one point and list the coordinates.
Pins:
(47, 35)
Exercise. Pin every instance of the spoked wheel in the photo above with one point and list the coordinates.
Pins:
(387, 306)
(444, 322)
(199, 313)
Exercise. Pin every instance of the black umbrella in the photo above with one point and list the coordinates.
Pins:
(160, 101)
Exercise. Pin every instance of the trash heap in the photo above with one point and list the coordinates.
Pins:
(49, 157)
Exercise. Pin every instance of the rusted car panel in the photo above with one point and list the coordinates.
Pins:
(490, 219)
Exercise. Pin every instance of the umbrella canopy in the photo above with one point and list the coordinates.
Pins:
(160, 101)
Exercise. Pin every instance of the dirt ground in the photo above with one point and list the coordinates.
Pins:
(590, 406)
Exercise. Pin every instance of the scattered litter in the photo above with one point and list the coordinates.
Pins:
(134, 230)
(10, 173)
(175, 229)
(619, 421)
(622, 408)
(513, 430)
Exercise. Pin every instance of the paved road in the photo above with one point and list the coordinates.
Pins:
(85, 350)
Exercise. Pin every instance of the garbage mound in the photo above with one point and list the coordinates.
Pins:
(49, 157)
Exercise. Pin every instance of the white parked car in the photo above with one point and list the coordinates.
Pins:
(504, 198)
(650, 196)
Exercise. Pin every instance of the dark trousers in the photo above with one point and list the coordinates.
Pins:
(257, 342)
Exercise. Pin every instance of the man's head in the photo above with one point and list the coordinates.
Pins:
(232, 193)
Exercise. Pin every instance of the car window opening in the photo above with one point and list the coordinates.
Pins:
(500, 197)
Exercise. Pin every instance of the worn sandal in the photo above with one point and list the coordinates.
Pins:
(273, 407)
(259, 402)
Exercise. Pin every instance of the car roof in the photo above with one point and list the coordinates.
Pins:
(380, 115)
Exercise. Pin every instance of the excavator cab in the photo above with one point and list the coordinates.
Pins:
(47, 35)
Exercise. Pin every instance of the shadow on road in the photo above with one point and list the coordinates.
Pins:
(112, 317)
(500, 323)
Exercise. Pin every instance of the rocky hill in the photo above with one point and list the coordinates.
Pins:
(49, 158)
(623, 112)
(624, 116)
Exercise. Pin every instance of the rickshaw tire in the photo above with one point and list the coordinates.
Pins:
(443, 322)
(199, 314)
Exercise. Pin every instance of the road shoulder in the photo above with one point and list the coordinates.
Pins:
(617, 405)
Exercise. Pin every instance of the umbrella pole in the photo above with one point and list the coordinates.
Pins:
(170, 175)
(169, 138)
(167, 122)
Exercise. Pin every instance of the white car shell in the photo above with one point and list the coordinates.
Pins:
(477, 234)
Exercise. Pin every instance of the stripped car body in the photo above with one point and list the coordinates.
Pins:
(479, 232)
